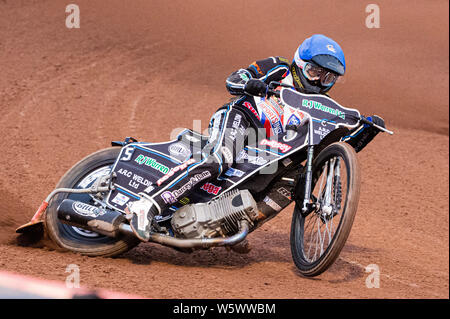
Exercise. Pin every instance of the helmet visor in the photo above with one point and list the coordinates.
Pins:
(313, 72)
(329, 78)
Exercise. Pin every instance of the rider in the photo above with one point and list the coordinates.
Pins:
(318, 63)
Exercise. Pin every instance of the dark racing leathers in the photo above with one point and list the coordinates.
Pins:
(228, 134)
(267, 70)
(227, 137)
(228, 131)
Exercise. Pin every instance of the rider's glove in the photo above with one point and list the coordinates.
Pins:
(362, 137)
(256, 87)
(375, 119)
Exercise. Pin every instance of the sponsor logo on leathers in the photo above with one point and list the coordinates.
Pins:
(256, 160)
(227, 154)
(235, 126)
(171, 197)
(275, 144)
(249, 106)
(272, 116)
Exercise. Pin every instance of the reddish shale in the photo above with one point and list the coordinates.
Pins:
(143, 69)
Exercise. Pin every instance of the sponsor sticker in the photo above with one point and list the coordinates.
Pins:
(149, 189)
(184, 201)
(321, 131)
(284, 192)
(233, 172)
(171, 197)
(293, 120)
(180, 151)
(174, 170)
(151, 162)
(270, 202)
(319, 106)
(120, 199)
(87, 210)
(274, 104)
(275, 144)
(211, 188)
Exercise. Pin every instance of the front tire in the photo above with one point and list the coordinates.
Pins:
(314, 245)
(82, 175)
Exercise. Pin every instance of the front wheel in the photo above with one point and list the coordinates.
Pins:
(318, 236)
(83, 175)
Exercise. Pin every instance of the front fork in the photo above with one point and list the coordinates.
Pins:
(333, 172)
(306, 207)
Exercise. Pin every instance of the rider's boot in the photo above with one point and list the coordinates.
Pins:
(242, 248)
(140, 214)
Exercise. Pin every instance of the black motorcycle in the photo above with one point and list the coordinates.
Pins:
(312, 166)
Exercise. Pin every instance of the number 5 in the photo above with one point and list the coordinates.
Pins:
(127, 154)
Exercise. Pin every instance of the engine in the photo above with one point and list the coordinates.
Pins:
(219, 217)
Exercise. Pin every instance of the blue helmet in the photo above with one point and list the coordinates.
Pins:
(324, 54)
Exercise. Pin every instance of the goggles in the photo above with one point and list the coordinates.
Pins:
(313, 72)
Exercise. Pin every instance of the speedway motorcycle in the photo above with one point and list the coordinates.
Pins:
(312, 166)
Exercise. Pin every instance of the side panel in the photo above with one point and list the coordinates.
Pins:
(138, 168)
(326, 114)
(141, 167)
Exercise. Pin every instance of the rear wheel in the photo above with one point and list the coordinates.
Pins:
(82, 175)
(317, 237)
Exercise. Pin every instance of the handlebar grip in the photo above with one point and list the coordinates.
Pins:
(366, 121)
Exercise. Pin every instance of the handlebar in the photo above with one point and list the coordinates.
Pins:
(366, 121)
(271, 89)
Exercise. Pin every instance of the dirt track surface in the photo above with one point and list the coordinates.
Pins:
(142, 69)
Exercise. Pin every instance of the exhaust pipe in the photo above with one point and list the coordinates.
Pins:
(203, 242)
(112, 223)
(195, 242)
(96, 219)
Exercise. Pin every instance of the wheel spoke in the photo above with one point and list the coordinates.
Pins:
(318, 237)
(319, 226)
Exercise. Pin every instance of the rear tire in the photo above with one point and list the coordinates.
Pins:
(300, 246)
(74, 239)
